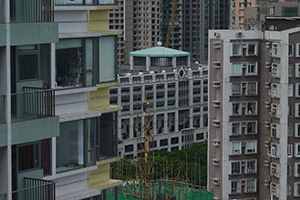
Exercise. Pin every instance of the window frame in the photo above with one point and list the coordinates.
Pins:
(248, 109)
(297, 130)
(290, 90)
(291, 53)
(252, 150)
(247, 89)
(235, 170)
(249, 66)
(253, 124)
(255, 49)
(297, 110)
(240, 53)
(247, 168)
(237, 151)
(297, 150)
(236, 66)
(297, 50)
(39, 164)
(246, 186)
(290, 150)
(233, 108)
(235, 93)
(237, 189)
(234, 125)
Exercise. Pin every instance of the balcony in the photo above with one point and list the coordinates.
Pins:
(33, 103)
(35, 189)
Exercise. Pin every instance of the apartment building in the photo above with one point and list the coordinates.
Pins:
(253, 125)
(57, 127)
(177, 95)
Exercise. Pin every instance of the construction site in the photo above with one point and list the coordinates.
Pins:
(151, 176)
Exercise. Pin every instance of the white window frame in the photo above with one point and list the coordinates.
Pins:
(253, 125)
(255, 49)
(297, 50)
(297, 189)
(250, 170)
(290, 130)
(247, 89)
(240, 49)
(289, 150)
(236, 126)
(297, 70)
(288, 189)
(238, 150)
(247, 106)
(251, 67)
(297, 169)
(297, 150)
(239, 72)
(274, 169)
(239, 170)
(275, 70)
(297, 109)
(274, 150)
(290, 70)
(246, 186)
(289, 170)
(275, 50)
(297, 129)
(291, 53)
(251, 147)
(275, 90)
(233, 104)
(274, 188)
(274, 130)
(235, 93)
(238, 188)
(297, 90)
(290, 90)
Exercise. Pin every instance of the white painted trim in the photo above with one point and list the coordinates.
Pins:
(79, 116)
(71, 173)
(75, 90)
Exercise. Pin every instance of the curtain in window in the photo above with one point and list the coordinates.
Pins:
(236, 88)
(107, 58)
(250, 146)
(251, 88)
(236, 69)
(235, 147)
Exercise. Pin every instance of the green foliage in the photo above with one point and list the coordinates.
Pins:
(126, 168)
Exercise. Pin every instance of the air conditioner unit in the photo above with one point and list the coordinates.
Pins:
(239, 34)
(267, 85)
(217, 35)
(267, 104)
(216, 181)
(216, 103)
(267, 124)
(216, 123)
(216, 84)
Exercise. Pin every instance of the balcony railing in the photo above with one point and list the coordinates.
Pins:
(32, 11)
(85, 2)
(35, 189)
(33, 103)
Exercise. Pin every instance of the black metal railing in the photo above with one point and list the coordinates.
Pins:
(32, 11)
(35, 189)
(33, 103)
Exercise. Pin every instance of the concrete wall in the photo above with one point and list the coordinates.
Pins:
(33, 33)
(34, 130)
(2, 34)
(3, 135)
(71, 103)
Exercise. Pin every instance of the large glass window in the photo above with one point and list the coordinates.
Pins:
(69, 66)
(108, 136)
(70, 146)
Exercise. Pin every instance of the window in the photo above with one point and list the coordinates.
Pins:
(289, 170)
(290, 90)
(164, 142)
(252, 69)
(275, 70)
(250, 167)
(236, 89)
(236, 49)
(250, 147)
(297, 90)
(297, 149)
(297, 129)
(251, 88)
(235, 168)
(290, 130)
(251, 108)
(289, 150)
(252, 49)
(290, 11)
(290, 110)
(28, 157)
(273, 189)
(274, 152)
(290, 70)
(297, 50)
(236, 69)
(275, 50)
(297, 70)
(274, 170)
(236, 109)
(250, 185)
(236, 128)
(297, 110)
(236, 148)
(251, 127)
(129, 148)
(235, 187)
(291, 49)
(275, 90)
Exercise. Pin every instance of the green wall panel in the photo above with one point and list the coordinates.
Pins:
(3, 135)
(33, 33)
(37, 174)
(34, 130)
(2, 35)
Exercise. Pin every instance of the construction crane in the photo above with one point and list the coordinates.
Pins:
(171, 23)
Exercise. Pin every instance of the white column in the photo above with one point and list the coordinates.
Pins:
(53, 67)
(148, 62)
(189, 61)
(53, 166)
(174, 62)
(131, 62)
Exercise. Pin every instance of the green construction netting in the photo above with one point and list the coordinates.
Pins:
(162, 190)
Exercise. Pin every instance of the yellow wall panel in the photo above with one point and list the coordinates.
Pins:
(98, 20)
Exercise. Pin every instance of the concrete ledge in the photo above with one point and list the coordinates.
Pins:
(74, 90)
(109, 84)
(81, 194)
(110, 183)
(78, 116)
(108, 109)
(70, 173)
(107, 161)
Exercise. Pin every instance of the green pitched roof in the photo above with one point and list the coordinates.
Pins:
(159, 51)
